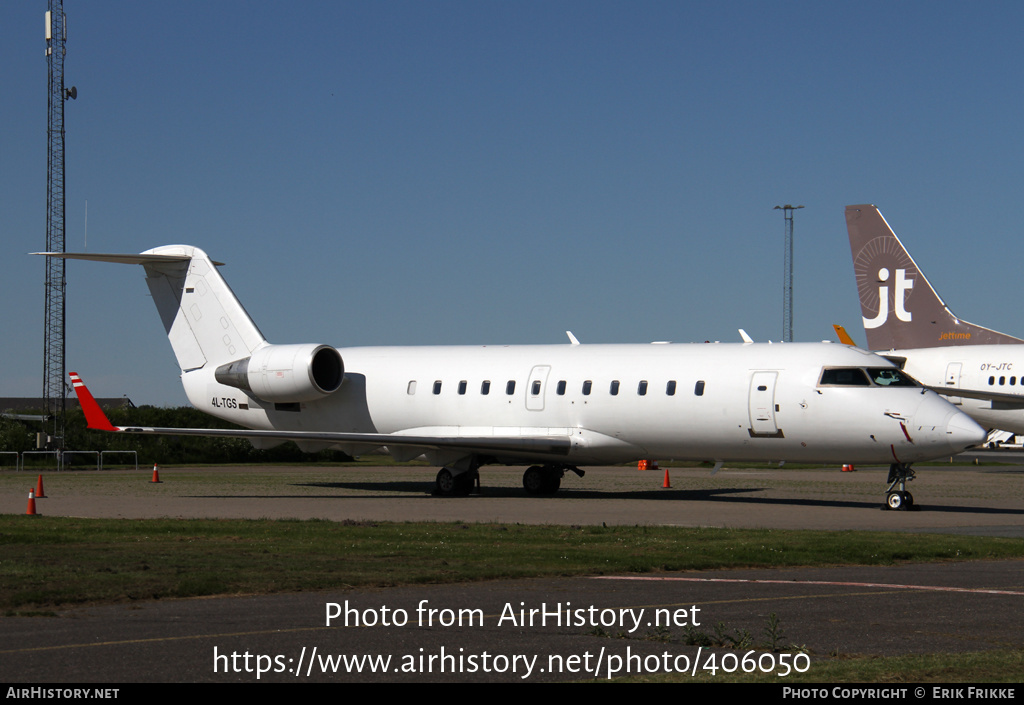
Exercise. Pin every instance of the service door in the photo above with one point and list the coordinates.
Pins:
(762, 404)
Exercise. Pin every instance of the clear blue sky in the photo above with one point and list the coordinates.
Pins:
(500, 172)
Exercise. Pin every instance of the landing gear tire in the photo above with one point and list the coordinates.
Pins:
(444, 485)
(539, 480)
(553, 482)
(533, 480)
(448, 484)
(900, 500)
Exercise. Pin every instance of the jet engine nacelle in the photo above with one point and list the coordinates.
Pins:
(286, 373)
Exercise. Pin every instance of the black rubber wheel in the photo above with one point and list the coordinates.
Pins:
(534, 480)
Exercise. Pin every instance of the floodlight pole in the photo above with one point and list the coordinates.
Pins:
(787, 283)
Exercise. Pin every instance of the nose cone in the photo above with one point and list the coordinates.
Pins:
(946, 428)
(963, 432)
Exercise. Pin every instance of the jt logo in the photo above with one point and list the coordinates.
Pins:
(903, 285)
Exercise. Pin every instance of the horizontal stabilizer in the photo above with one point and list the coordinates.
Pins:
(120, 258)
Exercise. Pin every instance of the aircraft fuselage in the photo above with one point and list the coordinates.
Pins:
(617, 403)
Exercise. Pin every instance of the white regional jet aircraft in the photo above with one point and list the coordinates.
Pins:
(556, 406)
(981, 370)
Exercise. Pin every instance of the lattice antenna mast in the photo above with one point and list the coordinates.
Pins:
(54, 386)
(787, 277)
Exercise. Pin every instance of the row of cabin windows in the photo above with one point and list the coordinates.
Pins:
(560, 388)
(1002, 381)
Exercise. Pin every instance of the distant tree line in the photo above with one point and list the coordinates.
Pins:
(19, 436)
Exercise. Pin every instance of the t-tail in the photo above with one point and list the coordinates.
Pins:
(213, 337)
(900, 308)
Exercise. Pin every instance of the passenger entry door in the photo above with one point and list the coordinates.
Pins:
(953, 370)
(762, 405)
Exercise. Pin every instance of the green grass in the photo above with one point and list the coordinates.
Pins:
(50, 562)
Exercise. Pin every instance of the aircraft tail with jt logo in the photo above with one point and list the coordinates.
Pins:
(900, 308)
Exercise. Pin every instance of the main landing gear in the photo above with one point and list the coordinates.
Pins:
(450, 484)
(537, 480)
(899, 474)
(546, 479)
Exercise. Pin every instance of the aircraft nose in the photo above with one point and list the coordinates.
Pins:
(962, 431)
(950, 426)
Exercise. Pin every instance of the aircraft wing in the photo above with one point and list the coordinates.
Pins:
(1016, 400)
(553, 445)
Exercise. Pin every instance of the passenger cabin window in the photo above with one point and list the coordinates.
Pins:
(614, 388)
(698, 389)
(535, 387)
(641, 388)
(485, 387)
(670, 388)
(510, 388)
(462, 387)
(587, 387)
(560, 389)
(437, 387)
(411, 389)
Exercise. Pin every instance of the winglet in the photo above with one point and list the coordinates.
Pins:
(94, 415)
(844, 337)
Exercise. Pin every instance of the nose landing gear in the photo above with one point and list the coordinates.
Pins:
(899, 475)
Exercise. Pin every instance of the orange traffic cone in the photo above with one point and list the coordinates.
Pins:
(848, 468)
(653, 465)
(666, 485)
(156, 475)
(31, 511)
(39, 488)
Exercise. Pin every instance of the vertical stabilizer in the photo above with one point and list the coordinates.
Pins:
(205, 322)
(900, 308)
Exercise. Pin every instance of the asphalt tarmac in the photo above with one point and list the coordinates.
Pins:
(984, 499)
(537, 630)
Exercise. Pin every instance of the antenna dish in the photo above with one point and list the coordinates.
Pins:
(72, 93)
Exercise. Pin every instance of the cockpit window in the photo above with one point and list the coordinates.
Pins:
(844, 377)
(890, 377)
(857, 377)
